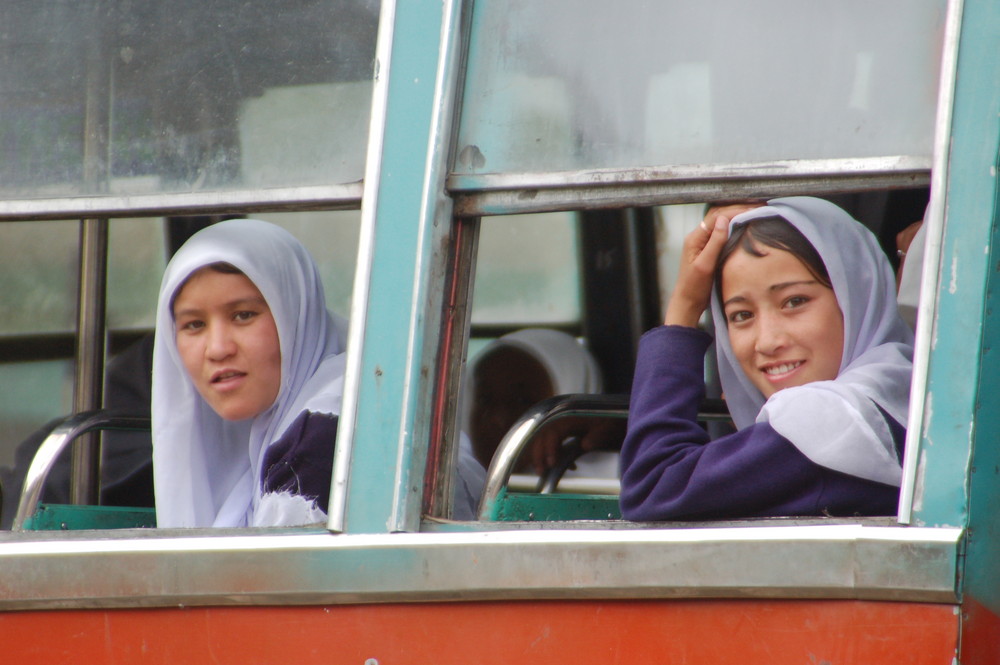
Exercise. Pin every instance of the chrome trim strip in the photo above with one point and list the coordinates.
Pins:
(317, 197)
(362, 273)
(241, 568)
(462, 183)
(508, 194)
(929, 275)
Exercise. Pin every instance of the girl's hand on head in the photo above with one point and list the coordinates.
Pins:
(698, 257)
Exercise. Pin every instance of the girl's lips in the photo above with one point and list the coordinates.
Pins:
(777, 372)
(227, 379)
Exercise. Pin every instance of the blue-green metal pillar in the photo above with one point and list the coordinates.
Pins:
(382, 445)
(974, 201)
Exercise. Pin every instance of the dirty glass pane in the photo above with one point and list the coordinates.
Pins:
(136, 258)
(549, 86)
(38, 275)
(127, 97)
(332, 239)
(526, 271)
(44, 391)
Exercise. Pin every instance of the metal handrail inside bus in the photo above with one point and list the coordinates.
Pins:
(56, 442)
(554, 408)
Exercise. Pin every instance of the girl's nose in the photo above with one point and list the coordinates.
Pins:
(220, 343)
(771, 336)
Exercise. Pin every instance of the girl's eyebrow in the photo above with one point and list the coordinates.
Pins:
(784, 285)
(232, 304)
(780, 286)
(732, 300)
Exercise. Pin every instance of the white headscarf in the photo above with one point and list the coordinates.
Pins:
(569, 365)
(207, 470)
(567, 362)
(836, 424)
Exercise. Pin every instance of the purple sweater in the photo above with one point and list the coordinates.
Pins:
(671, 471)
(301, 460)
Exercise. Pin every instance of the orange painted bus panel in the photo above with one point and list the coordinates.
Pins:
(748, 632)
(980, 634)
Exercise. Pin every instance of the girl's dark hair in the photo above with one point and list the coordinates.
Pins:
(218, 266)
(777, 232)
(224, 268)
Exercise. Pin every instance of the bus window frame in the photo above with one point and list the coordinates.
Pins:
(500, 194)
(615, 197)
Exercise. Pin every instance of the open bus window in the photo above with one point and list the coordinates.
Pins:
(38, 272)
(526, 315)
(559, 303)
(549, 318)
(39, 352)
(510, 366)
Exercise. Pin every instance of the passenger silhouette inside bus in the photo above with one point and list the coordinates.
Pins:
(518, 370)
(815, 364)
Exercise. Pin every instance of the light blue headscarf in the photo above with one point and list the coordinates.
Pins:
(207, 470)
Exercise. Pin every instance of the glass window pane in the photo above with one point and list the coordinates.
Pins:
(44, 391)
(526, 271)
(136, 258)
(38, 277)
(38, 268)
(721, 81)
(174, 96)
(332, 239)
(527, 276)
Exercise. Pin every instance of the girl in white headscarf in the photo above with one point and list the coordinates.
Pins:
(248, 370)
(815, 365)
(516, 371)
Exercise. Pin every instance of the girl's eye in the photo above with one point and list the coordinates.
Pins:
(244, 316)
(191, 326)
(796, 301)
(740, 316)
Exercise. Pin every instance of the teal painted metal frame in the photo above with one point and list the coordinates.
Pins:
(972, 243)
(406, 223)
(59, 517)
(529, 507)
(949, 328)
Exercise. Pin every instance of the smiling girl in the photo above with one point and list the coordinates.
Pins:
(815, 365)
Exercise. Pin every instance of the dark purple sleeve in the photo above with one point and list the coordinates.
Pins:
(671, 471)
(301, 461)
